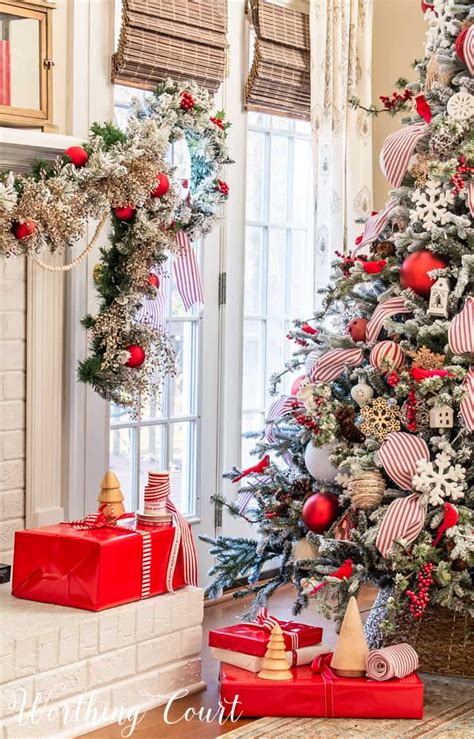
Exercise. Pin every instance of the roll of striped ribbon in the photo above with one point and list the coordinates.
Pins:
(398, 660)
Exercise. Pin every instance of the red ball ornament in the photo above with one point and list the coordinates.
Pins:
(137, 356)
(77, 155)
(162, 187)
(415, 268)
(124, 212)
(154, 280)
(459, 44)
(24, 230)
(356, 328)
(320, 511)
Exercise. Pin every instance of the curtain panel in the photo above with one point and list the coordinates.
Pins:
(341, 59)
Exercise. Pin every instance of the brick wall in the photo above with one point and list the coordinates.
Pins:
(12, 401)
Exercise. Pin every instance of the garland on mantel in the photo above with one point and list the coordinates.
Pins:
(125, 174)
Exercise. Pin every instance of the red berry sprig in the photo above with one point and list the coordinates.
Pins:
(218, 122)
(411, 411)
(393, 379)
(419, 600)
(296, 339)
(457, 178)
(395, 101)
(223, 187)
(187, 101)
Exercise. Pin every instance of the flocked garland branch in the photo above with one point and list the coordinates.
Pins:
(125, 175)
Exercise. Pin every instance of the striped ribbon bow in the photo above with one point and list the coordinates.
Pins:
(267, 623)
(331, 365)
(404, 519)
(468, 50)
(461, 330)
(399, 455)
(467, 403)
(397, 150)
(470, 186)
(399, 660)
(376, 224)
(390, 307)
(279, 408)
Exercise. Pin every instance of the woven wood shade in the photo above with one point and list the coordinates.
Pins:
(279, 79)
(182, 39)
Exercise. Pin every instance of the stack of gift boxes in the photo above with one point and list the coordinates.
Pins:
(282, 668)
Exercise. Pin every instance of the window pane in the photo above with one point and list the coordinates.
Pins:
(122, 456)
(152, 453)
(303, 127)
(281, 123)
(276, 271)
(250, 422)
(254, 277)
(302, 195)
(183, 385)
(182, 465)
(255, 176)
(254, 364)
(275, 348)
(278, 204)
(119, 414)
(258, 119)
(300, 291)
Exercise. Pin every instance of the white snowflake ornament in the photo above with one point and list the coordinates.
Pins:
(439, 479)
(432, 205)
(460, 106)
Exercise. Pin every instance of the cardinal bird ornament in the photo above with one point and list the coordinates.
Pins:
(344, 572)
(451, 517)
(255, 470)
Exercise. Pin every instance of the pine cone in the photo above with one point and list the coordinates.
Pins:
(345, 415)
(383, 249)
(458, 565)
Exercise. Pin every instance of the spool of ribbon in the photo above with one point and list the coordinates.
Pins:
(461, 330)
(390, 307)
(267, 623)
(399, 455)
(376, 224)
(332, 364)
(397, 150)
(399, 660)
(404, 519)
(467, 403)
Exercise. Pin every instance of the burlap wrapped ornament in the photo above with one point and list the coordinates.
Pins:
(366, 489)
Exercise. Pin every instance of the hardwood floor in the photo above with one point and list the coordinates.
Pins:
(153, 726)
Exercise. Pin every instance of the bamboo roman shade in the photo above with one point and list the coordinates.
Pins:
(279, 79)
(182, 39)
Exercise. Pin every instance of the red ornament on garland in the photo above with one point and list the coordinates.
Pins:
(320, 511)
(415, 268)
(154, 280)
(356, 328)
(137, 356)
(162, 187)
(77, 155)
(124, 212)
(25, 230)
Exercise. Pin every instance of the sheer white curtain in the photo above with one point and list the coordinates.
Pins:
(341, 57)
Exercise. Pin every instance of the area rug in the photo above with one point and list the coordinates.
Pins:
(449, 712)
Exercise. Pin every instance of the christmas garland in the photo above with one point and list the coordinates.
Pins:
(125, 175)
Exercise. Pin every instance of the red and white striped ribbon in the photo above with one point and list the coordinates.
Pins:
(384, 310)
(268, 622)
(183, 538)
(376, 224)
(404, 519)
(246, 496)
(5, 73)
(279, 408)
(470, 192)
(399, 660)
(397, 150)
(399, 455)
(461, 330)
(468, 49)
(152, 311)
(146, 563)
(186, 272)
(467, 403)
(331, 365)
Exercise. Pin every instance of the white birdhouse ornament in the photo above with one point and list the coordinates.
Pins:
(441, 417)
(439, 295)
(362, 393)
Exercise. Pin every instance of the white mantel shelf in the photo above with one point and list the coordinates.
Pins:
(19, 147)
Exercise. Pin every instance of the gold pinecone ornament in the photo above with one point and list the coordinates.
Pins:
(275, 665)
(366, 490)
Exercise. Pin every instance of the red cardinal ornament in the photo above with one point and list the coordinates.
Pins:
(256, 469)
(426, 5)
(356, 328)
(124, 212)
(451, 517)
(420, 374)
(374, 267)
(344, 572)
(320, 511)
(137, 356)
(77, 155)
(22, 231)
(162, 186)
(309, 329)
(415, 268)
(154, 280)
(422, 108)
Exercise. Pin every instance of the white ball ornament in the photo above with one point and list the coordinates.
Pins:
(317, 463)
(362, 393)
(311, 360)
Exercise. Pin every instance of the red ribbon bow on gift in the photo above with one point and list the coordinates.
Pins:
(321, 662)
(98, 520)
(267, 623)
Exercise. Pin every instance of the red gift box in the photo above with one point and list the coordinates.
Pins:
(252, 638)
(94, 568)
(320, 695)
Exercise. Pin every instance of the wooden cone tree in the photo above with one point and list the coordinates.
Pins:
(351, 649)
(275, 665)
(110, 497)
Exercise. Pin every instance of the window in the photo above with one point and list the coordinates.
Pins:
(166, 436)
(279, 255)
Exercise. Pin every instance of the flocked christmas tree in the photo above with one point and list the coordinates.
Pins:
(364, 473)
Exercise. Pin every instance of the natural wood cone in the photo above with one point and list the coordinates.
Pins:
(275, 665)
(351, 649)
(111, 493)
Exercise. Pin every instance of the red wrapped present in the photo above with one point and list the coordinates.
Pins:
(252, 637)
(93, 565)
(320, 695)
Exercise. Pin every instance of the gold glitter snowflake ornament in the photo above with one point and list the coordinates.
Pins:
(380, 419)
(426, 359)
